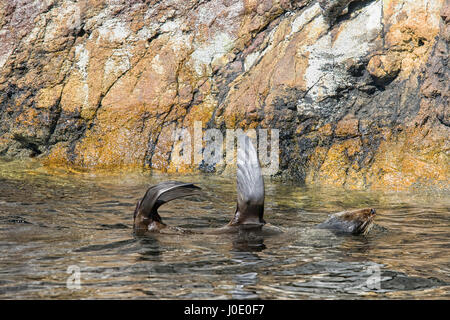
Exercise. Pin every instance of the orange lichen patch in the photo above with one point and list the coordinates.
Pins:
(269, 75)
(285, 70)
(326, 130)
(162, 152)
(58, 156)
(112, 151)
(314, 162)
(334, 166)
(104, 67)
(352, 146)
(153, 80)
(413, 157)
(181, 168)
(114, 142)
(29, 118)
(48, 97)
(348, 126)
(384, 66)
(355, 178)
(411, 31)
(129, 91)
(257, 15)
(420, 17)
(235, 111)
(333, 169)
(32, 125)
(201, 112)
(74, 95)
(414, 16)
(5, 141)
(410, 159)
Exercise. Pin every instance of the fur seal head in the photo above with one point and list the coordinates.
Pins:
(358, 221)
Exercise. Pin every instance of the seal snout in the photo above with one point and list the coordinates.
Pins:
(373, 212)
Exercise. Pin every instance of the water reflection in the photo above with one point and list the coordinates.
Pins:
(243, 284)
(150, 248)
(248, 241)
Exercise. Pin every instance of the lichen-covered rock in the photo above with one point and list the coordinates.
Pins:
(358, 89)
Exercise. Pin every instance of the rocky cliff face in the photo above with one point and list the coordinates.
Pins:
(358, 89)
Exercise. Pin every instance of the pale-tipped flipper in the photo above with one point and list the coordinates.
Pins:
(250, 186)
(146, 217)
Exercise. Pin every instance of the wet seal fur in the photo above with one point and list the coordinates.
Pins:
(249, 211)
(250, 201)
(358, 221)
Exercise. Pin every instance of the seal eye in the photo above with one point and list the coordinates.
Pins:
(372, 211)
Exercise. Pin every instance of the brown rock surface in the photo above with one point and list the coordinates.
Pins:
(358, 89)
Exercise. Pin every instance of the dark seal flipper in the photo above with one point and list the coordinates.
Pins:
(250, 187)
(146, 217)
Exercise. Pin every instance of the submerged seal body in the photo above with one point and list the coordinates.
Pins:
(250, 201)
(249, 212)
(358, 221)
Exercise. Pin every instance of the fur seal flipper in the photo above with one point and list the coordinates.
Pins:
(146, 217)
(250, 186)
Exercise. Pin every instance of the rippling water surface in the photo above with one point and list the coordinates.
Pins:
(51, 220)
